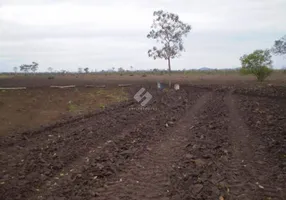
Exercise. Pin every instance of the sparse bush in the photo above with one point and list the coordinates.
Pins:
(51, 77)
(102, 106)
(72, 107)
(261, 73)
(258, 63)
(144, 75)
(131, 74)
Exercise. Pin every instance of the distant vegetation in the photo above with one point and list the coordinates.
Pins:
(121, 71)
(279, 47)
(27, 68)
(168, 30)
(138, 73)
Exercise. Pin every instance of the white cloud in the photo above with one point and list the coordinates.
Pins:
(103, 34)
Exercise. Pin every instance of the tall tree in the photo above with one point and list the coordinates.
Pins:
(279, 47)
(168, 30)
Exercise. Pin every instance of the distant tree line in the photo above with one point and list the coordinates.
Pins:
(26, 68)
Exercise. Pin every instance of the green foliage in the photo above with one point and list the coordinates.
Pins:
(261, 73)
(102, 106)
(258, 63)
(72, 107)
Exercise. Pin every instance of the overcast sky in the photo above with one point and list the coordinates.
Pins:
(101, 34)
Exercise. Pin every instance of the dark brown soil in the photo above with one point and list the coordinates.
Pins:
(228, 157)
(196, 143)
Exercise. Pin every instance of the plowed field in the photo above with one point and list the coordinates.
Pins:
(194, 143)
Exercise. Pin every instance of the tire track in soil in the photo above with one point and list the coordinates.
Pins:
(107, 162)
(247, 171)
(76, 167)
(41, 163)
(197, 174)
(266, 118)
(147, 176)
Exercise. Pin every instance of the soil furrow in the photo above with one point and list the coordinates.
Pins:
(41, 162)
(268, 139)
(112, 159)
(197, 174)
(249, 161)
(147, 176)
(242, 154)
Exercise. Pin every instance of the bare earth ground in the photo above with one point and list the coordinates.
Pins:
(25, 109)
(200, 142)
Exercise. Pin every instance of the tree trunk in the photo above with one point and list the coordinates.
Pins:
(169, 68)
(169, 65)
